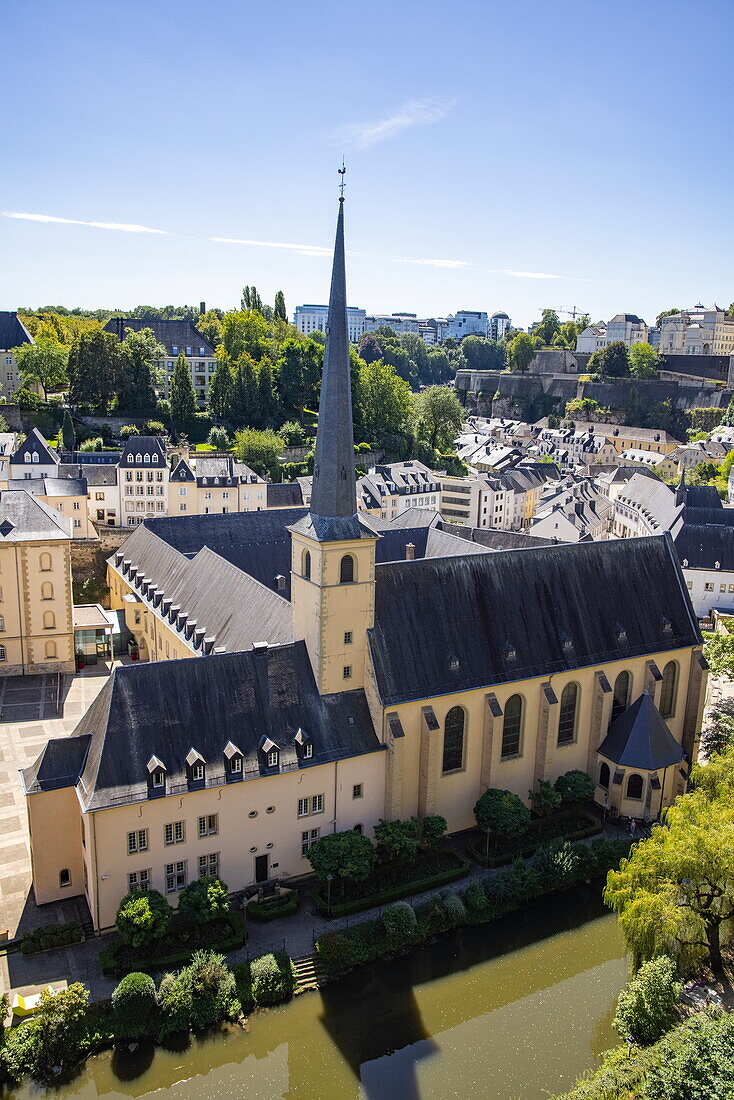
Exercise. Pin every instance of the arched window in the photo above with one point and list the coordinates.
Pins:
(620, 700)
(155, 458)
(35, 456)
(567, 716)
(453, 740)
(668, 689)
(47, 591)
(45, 563)
(512, 726)
(49, 620)
(346, 569)
(138, 458)
(306, 564)
(604, 776)
(634, 786)
(50, 651)
(147, 460)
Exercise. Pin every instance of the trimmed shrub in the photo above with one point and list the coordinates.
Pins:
(51, 935)
(545, 800)
(648, 1005)
(204, 899)
(337, 952)
(272, 978)
(134, 1002)
(142, 918)
(575, 786)
(399, 922)
(502, 812)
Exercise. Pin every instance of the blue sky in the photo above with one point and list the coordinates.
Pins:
(487, 144)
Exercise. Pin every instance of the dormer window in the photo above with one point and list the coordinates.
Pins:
(273, 758)
(26, 457)
(157, 774)
(233, 758)
(235, 765)
(196, 765)
(155, 458)
(307, 751)
(159, 778)
(35, 456)
(197, 772)
(147, 460)
(138, 458)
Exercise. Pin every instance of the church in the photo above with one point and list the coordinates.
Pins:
(313, 670)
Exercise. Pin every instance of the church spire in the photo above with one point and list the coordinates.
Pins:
(333, 495)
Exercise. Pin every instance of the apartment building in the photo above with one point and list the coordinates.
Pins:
(314, 318)
(212, 484)
(13, 334)
(625, 328)
(178, 338)
(697, 331)
(386, 491)
(142, 478)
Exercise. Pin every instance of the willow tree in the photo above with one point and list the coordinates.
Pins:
(675, 893)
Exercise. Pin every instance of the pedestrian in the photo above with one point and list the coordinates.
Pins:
(632, 827)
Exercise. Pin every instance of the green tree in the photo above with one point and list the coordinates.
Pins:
(52, 1039)
(243, 403)
(399, 840)
(43, 364)
(545, 799)
(611, 361)
(676, 890)
(218, 439)
(718, 735)
(549, 326)
(439, 366)
(142, 918)
(400, 924)
(503, 812)
(279, 311)
(266, 402)
(719, 653)
(204, 899)
(575, 786)
(209, 324)
(68, 438)
(648, 1004)
(140, 352)
(728, 417)
(433, 830)
(220, 390)
(695, 1062)
(134, 1002)
(183, 396)
(251, 299)
(482, 354)
(666, 313)
(521, 352)
(370, 348)
(244, 330)
(439, 415)
(385, 402)
(644, 361)
(298, 373)
(260, 451)
(348, 856)
(94, 369)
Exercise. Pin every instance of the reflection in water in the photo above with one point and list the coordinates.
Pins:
(516, 1008)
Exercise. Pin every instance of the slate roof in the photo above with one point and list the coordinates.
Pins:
(654, 499)
(179, 334)
(610, 599)
(13, 332)
(31, 519)
(701, 546)
(142, 445)
(495, 539)
(93, 474)
(51, 486)
(182, 472)
(224, 467)
(640, 739)
(34, 443)
(166, 708)
(59, 764)
(288, 494)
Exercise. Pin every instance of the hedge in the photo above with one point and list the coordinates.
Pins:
(50, 936)
(271, 910)
(271, 978)
(117, 959)
(394, 893)
(525, 847)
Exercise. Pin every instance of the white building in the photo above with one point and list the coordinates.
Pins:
(398, 322)
(499, 324)
(467, 322)
(697, 331)
(625, 328)
(33, 459)
(313, 318)
(387, 491)
(142, 477)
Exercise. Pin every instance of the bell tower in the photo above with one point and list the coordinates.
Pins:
(332, 548)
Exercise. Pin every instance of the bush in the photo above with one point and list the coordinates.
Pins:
(204, 899)
(575, 786)
(213, 988)
(475, 900)
(556, 864)
(134, 1001)
(51, 935)
(218, 438)
(95, 444)
(407, 885)
(445, 912)
(695, 1063)
(142, 918)
(400, 924)
(154, 427)
(337, 952)
(502, 812)
(243, 984)
(284, 906)
(347, 855)
(272, 978)
(175, 1001)
(546, 799)
(52, 1040)
(176, 948)
(293, 433)
(648, 1005)
(129, 429)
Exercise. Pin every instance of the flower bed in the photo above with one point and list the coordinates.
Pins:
(568, 825)
(226, 933)
(376, 890)
(284, 906)
(51, 936)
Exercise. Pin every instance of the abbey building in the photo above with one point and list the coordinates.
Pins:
(342, 668)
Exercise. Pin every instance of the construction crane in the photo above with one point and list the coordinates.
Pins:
(574, 312)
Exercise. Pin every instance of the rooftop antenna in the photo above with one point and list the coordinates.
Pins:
(342, 185)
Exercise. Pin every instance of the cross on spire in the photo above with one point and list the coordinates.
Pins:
(342, 185)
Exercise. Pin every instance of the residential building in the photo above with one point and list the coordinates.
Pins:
(467, 322)
(433, 330)
(311, 318)
(690, 455)
(33, 459)
(592, 338)
(13, 334)
(67, 495)
(499, 326)
(697, 331)
(209, 484)
(142, 478)
(386, 491)
(572, 510)
(622, 436)
(415, 673)
(661, 464)
(8, 447)
(178, 338)
(398, 322)
(625, 328)
(36, 608)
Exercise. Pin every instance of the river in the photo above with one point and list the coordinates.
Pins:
(513, 1009)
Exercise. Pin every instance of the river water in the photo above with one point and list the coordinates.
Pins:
(513, 1009)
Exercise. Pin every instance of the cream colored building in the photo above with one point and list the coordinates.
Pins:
(343, 668)
(66, 495)
(386, 491)
(213, 485)
(697, 331)
(36, 607)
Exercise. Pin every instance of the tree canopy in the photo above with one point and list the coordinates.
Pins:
(439, 416)
(385, 401)
(43, 363)
(347, 855)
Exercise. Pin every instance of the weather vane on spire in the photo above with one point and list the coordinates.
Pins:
(342, 185)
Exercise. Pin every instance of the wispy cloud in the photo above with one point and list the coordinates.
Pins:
(531, 274)
(119, 227)
(303, 249)
(417, 112)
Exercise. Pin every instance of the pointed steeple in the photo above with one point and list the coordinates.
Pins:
(334, 492)
(681, 488)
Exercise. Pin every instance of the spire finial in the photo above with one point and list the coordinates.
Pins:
(342, 185)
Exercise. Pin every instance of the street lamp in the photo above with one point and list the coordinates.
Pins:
(488, 832)
(329, 880)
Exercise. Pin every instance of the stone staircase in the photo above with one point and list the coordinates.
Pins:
(308, 973)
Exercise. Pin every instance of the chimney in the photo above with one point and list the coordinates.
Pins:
(410, 551)
(202, 307)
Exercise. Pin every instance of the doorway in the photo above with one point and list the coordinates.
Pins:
(261, 868)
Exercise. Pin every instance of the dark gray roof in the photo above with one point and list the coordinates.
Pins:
(166, 708)
(410, 517)
(182, 471)
(59, 764)
(701, 546)
(639, 738)
(333, 494)
(34, 443)
(495, 539)
(92, 473)
(142, 445)
(13, 332)
(507, 616)
(178, 334)
(51, 486)
(287, 494)
(224, 468)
